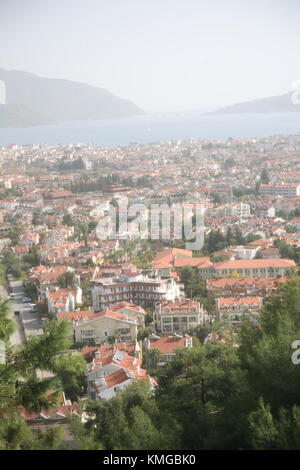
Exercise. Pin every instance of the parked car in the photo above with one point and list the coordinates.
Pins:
(26, 299)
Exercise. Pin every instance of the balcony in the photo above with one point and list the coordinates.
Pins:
(88, 334)
(123, 331)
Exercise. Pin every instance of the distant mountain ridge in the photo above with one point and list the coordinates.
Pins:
(35, 101)
(274, 104)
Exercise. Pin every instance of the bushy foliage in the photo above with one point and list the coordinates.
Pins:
(242, 394)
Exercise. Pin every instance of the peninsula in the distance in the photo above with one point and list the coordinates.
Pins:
(287, 103)
(33, 101)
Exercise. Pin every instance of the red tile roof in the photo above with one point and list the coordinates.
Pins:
(121, 305)
(20, 249)
(255, 264)
(128, 347)
(245, 282)
(77, 315)
(116, 378)
(238, 301)
(167, 344)
(166, 258)
(194, 262)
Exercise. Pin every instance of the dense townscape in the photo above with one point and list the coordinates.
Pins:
(130, 342)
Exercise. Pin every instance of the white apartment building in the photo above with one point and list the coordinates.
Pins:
(139, 290)
(244, 252)
(178, 316)
(240, 210)
(254, 267)
(284, 190)
(63, 300)
(99, 327)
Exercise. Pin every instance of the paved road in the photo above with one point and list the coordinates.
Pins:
(29, 319)
(27, 323)
(18, 337)
(32, 325)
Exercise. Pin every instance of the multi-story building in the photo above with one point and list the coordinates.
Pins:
(20, 250)
(240, 210)
(29, 239)
(58, 196)
(250, 268)
(107, 386)
(63, 300)
(166, 345)
(238, 307)
(46, 277)
(109, 359)
(100, 326)
(245, 286)
(285, 190)
(245, 252)
(178, 317)
(138, 289)
(135, 311)
(271, 252)
(167, 261)
(264, 210)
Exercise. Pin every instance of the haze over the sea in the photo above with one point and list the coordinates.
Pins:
(155, 127)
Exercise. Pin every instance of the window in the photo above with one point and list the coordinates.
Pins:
(192, 319)
(167, 327)
(87, 332)
(167, 320)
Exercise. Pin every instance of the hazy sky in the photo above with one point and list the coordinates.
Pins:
(162, 54)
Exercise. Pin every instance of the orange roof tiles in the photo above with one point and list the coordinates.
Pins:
(245, 282)
(116, 378)
(117, 316)
(128, 347)
(20, 249)
(239, 301)
(121, 305)
(168, 257)
(255, 264)
(167, 344)
(261, 242)
(77, 315)
(194, 262)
